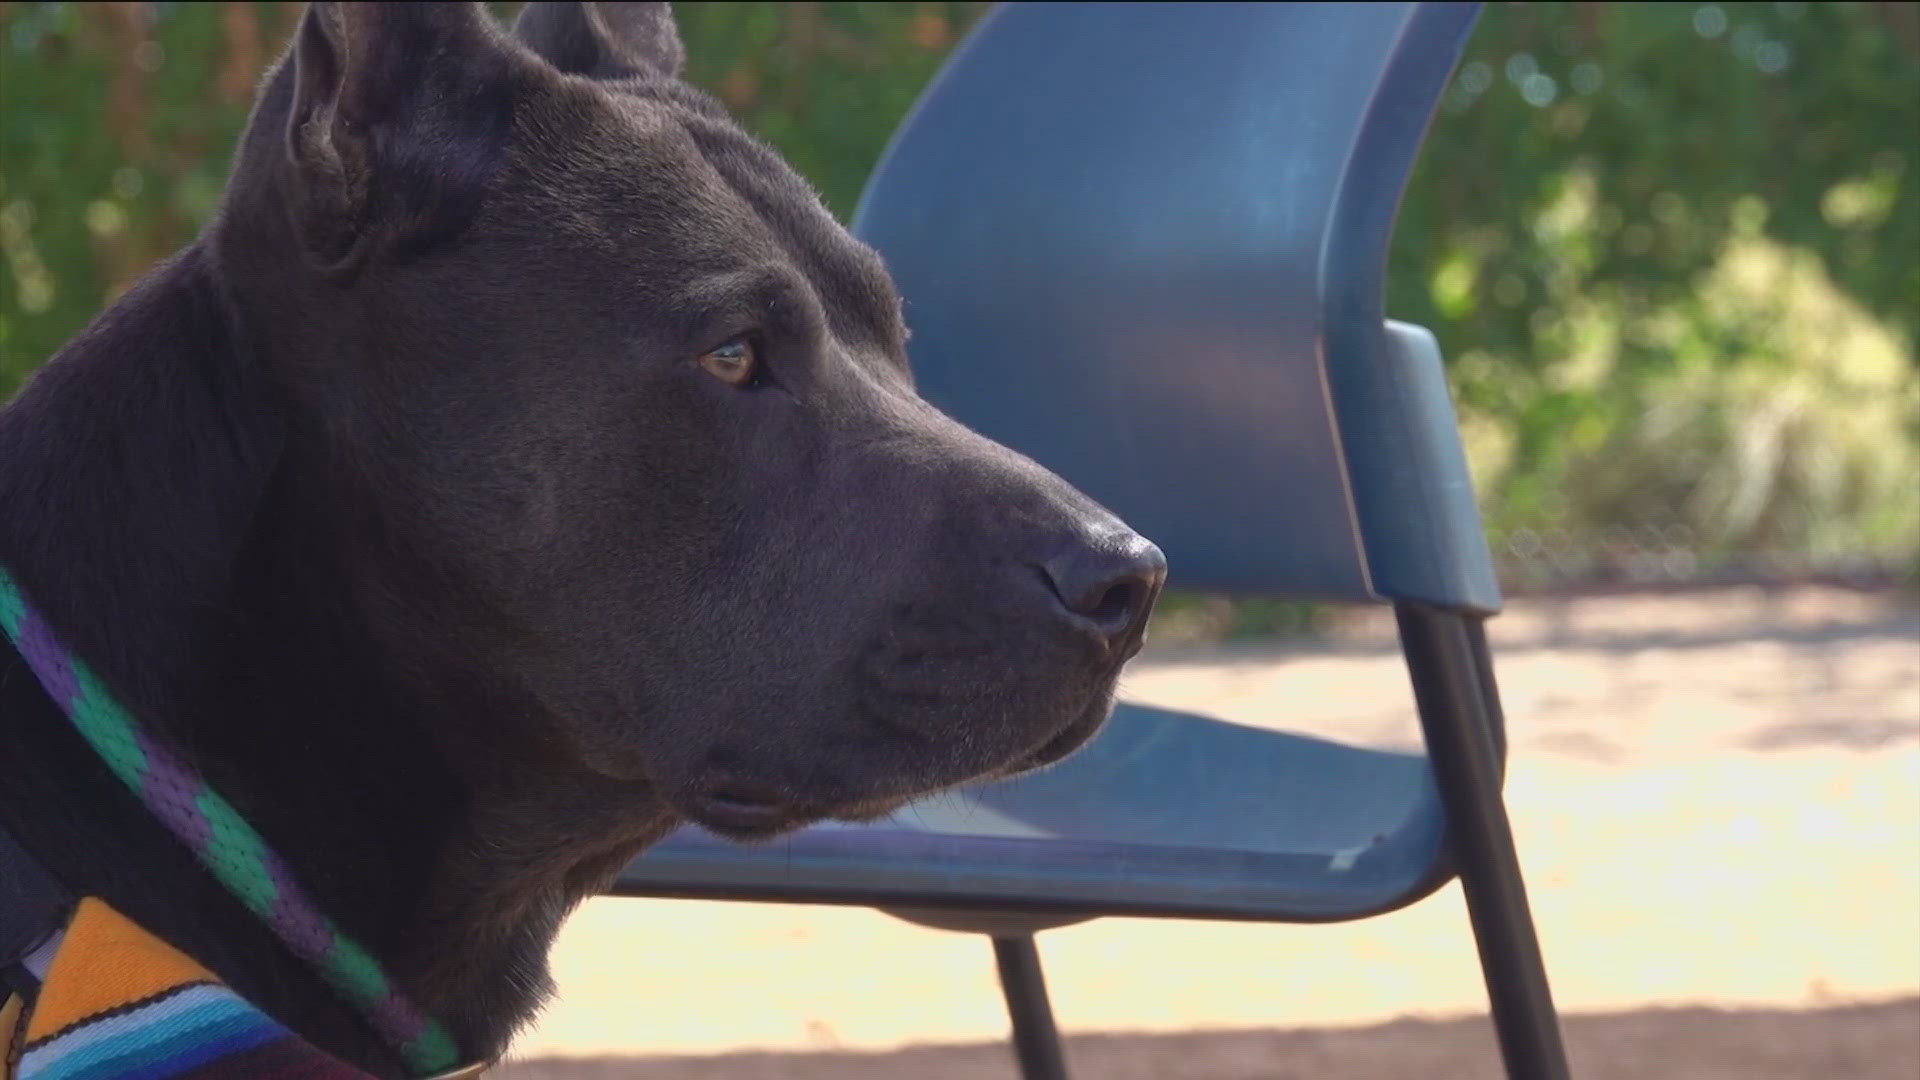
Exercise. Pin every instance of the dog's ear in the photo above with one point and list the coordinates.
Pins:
(400, 113)
(604, 41)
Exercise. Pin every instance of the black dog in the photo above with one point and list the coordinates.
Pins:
(521, 464)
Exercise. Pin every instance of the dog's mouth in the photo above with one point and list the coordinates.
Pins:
(748, 811)
(748, 815)
(740, 810)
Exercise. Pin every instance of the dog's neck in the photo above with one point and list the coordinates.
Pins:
(155, 507)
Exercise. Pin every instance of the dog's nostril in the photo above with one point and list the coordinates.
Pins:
(1110, 587)
(1115, 605)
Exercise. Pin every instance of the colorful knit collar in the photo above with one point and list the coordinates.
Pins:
(237, 855)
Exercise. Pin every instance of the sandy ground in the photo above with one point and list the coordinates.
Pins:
(1717, 803)
(1857, 1042)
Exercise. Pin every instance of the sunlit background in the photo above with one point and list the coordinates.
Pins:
(1672, 253)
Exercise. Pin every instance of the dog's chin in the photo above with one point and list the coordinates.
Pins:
(749, 832)
(749, 816)
(1063, 745)
(1056, 749)
(754, 826)
(756, 822)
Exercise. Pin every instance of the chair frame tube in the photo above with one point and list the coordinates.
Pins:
(1459, 705)
(1036, 1041)
(1453, 686)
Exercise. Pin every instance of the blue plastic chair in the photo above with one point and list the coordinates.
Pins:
(1146, 244)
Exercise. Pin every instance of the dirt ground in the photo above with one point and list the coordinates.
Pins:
(1716, 799)
(1859, 1042)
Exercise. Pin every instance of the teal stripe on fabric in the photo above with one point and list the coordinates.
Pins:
(357, 971)
(240, 854)
(13, 608)
(433, 1044)
(108, 727)
(158, 1040)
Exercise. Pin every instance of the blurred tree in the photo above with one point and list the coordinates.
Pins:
(826, 83)
(1594, 169)
(116, 122)
(1669, 248)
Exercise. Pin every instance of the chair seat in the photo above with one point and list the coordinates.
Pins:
(1165, 813)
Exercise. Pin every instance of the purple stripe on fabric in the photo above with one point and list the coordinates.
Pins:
(295, 918)
(171, 790)
(397, 1019)
(47, 658)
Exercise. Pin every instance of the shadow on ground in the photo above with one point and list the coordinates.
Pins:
(1856, 1042)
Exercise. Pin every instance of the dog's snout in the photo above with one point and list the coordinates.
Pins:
(1110, 585)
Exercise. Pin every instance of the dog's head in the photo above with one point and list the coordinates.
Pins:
(621, 425)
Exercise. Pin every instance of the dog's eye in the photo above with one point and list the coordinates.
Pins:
(734, 363)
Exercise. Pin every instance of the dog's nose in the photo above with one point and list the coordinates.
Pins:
(1110, 585)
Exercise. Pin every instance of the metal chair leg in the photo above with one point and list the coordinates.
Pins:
(1036, 1042)
(1458, 703)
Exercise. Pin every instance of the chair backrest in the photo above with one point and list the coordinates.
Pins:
(1145, 244)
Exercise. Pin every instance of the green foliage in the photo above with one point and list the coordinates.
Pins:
(826, 83)
(1599, 181)
(1671, 250)
(116, 124)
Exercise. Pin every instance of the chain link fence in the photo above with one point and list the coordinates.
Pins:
(1669, 555)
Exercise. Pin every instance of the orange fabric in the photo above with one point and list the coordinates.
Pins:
(104, 963)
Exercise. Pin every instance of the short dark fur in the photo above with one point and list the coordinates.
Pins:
(399, 503)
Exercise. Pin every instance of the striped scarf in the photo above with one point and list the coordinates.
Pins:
(120, 1004)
